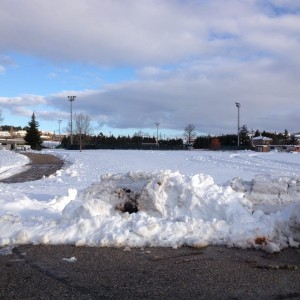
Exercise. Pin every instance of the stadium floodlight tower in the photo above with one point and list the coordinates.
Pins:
(59, 121)
(238, 105)
(71, 99)
(157, 124)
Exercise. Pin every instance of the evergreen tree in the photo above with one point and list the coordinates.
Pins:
(228, 140)
(293, 140)
(257, 133)
(244, 136)
(65, 142)
(33, 136)
(202, 142)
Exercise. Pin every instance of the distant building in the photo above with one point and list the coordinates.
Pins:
(12, 144)
(14, 140)
(261, 143)
(261, 140)
(5, 134)
(297, 136)
(20, 133)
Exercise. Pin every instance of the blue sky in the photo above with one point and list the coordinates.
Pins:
(132, 63)
(35, 75)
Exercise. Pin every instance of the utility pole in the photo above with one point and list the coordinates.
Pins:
(238, 105)
(71, 99)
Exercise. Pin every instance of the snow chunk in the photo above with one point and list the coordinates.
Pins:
(71, 259)
(269, 194)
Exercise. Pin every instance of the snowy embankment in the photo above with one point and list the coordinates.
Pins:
(155, 198)
(11, 163)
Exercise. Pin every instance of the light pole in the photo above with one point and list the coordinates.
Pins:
(71, 99)
(59, 121)
(157, 124)
(238, 105)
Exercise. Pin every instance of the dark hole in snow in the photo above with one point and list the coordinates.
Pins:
(128, 199)
(130, 207)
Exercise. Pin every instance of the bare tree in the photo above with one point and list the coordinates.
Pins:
(190, 133)
(82, 127)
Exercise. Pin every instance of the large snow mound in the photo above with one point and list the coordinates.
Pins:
(171, 209)
(160, 194)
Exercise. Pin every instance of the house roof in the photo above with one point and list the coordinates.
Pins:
(262, 138)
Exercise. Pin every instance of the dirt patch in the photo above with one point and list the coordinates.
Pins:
(38, 158)
(40, 165)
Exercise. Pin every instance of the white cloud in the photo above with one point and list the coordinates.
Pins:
(140, 32)
(192, 59)
(200, 93)
(152, 72)
(2, 70)
(24, 100)
(52, 115)
(52, 75)
(122, 32)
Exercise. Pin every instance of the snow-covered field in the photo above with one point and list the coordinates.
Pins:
(243, 199)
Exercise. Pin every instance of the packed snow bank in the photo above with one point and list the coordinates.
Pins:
(119, 199)
(175, 210)
(269, 194)
(160, 194)
(11, 163)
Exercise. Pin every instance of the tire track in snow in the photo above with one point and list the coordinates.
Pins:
(250, 162)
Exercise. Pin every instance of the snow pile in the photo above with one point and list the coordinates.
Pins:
(11, 163)
(267, 193)
(160, 194)
(294, 224)
(120, 199)
(170, 209)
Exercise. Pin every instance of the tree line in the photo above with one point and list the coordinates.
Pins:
(102, 141)
(83, 139)
(229, 141)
